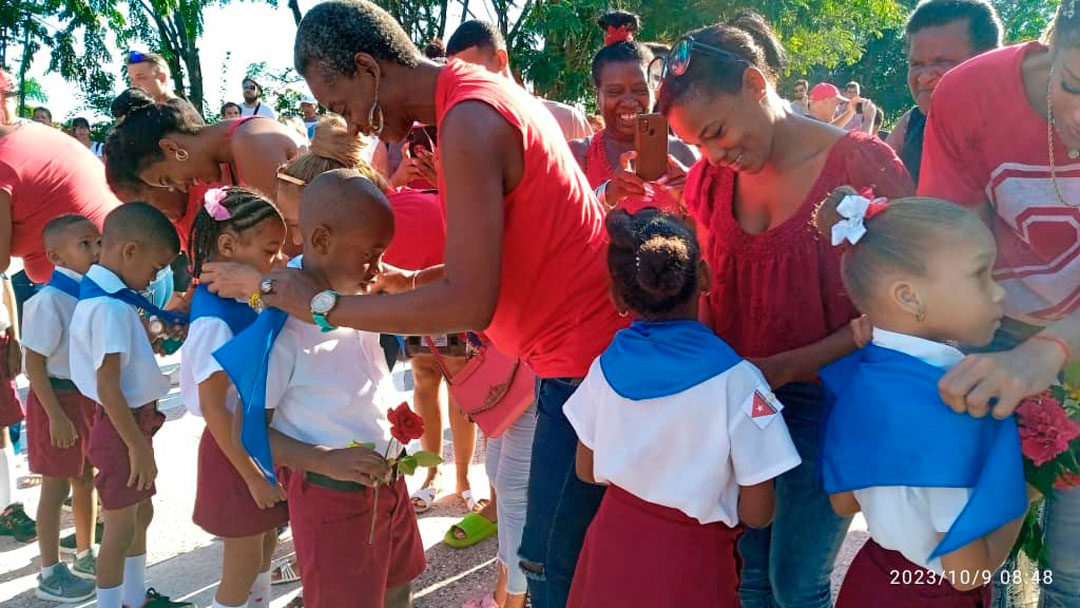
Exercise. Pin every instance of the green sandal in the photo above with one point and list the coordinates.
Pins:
(476, 528)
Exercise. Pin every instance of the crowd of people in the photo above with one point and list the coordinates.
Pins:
(798, 318)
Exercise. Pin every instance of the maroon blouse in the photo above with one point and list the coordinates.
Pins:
(781, 289)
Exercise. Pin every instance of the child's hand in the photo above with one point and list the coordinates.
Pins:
(61, 431)
(266, 494)
(143, 467)
(359, 464)
(862, 331)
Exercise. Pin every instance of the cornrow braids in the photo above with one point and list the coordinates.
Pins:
(247, 209)
(653, 260)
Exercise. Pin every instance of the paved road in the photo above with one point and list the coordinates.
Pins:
(185, 561)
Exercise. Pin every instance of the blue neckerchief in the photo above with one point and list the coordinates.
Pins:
(887, 426)
(656, 359)
(65, 284)
(236, 315)
(246, 359)
(89, 289)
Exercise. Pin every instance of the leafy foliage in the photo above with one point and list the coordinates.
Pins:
(280, 86)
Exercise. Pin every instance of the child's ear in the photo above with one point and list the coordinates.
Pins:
(905, 294)
(704, 276)
(226, 245)
(320, 239)
(54, 257)
(130, 250)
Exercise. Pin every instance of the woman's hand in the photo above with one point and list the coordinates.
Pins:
(292, 291)
(1006, 377)
(624, 182)
(392, 279)
(862, 331)
(424, 166)
(231, 279)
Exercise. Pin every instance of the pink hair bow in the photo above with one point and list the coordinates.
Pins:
(212, 203)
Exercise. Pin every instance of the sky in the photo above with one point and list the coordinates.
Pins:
(249, 32)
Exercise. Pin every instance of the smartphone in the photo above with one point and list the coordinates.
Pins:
(422, 137)
(858, 107)
(651, 144)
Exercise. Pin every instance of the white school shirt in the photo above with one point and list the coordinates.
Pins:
(197, 363)
(689, 451)
(46, 318)
(903, 518)
(102, 326)
(331, 388)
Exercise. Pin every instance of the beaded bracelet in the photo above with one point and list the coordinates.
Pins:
(1056, 340)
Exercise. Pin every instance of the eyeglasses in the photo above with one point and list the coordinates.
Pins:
(250, 87)
(678, 60)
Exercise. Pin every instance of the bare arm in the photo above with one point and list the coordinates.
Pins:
(212, 393)
(259, 150)
(844, 504)
(757, 504)
(580, 149)
(5, 231)
(143, 470)
(583, 464)
(802, 364)
(974, 564)
(896, 137)
(62, 432)
(475, 178)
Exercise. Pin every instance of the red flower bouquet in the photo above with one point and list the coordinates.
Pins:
(405, 426)
(1049, 425)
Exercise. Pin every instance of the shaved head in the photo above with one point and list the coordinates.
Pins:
(345, 201)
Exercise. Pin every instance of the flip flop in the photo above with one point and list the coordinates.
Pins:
(476, 528)
(426, 496)
(471, 504)
(284, 574)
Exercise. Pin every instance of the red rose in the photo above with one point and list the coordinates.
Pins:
(1045, 428)
(1067, 481)
(404, 424)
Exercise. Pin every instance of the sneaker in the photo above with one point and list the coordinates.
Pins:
(63, 586)
(85, 567)
(68, 545)
(156, 600)
(15, 522)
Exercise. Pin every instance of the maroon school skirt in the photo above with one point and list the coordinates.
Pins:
(223, 504)
(637, 553)
(11, 408)
(883, 578)
(109, 454)
(47, 459)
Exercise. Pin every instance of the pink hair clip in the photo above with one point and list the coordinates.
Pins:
(212, 203)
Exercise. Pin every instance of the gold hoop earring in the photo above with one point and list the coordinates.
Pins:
(181, 155)
(624, 313)
(920, 316)
(376, 129)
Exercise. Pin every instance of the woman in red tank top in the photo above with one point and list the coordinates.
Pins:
(777, 297)
(167, 145)
(620, 75)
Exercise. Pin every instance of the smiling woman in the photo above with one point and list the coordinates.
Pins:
(167, 145)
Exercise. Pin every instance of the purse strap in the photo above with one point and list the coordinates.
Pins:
(438, 359)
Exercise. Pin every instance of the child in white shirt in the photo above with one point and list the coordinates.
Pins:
(113, 363)
(686, 434)
(59, 417)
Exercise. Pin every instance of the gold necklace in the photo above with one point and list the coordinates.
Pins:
(1050, 127)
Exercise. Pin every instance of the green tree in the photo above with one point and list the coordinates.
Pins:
(280, 86)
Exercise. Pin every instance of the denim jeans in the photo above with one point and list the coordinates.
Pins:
(788, 564)
(507, 465)
(561, 506)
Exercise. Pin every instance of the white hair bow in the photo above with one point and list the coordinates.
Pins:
(852, 228)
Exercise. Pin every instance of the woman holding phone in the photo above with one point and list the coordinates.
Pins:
(620, 74)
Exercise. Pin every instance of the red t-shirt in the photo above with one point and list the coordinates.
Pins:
(781, 289)
(419, 231)
(553, 310)
(47, 173)
(984, 142)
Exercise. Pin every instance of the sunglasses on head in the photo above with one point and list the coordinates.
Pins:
(137, 57)
(677, 62)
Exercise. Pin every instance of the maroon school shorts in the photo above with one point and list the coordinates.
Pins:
(883, 578)
(109, 454)
(339, 567)
(11, 408)
(223, 505)
(47, 459)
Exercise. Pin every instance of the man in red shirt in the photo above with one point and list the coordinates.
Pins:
(1003, 139)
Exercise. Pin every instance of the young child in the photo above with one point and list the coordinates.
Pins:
(689, 448)
(233, 500)
(58, 415)
(326, 390)
(112, 363)
(943, 494)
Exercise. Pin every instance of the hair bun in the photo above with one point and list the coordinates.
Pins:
(755, 25)
(661, 265)
(332, 140)
(826, 215)
(130, 102)
(620, 227)
(619, 19)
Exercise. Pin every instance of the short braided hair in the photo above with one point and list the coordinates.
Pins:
(247, 209)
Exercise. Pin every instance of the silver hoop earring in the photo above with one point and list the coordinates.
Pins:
(376, 129)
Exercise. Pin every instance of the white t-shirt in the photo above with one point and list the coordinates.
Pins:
(331, 388)
(260, 109)
(907, 519)
(104, 325)
(46, 318)
(689, 451)
(205, 335)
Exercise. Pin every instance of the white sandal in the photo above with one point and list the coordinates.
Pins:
(426, 496)
(284, 574)
(473, 505)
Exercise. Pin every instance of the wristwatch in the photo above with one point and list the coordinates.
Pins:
(321, 305)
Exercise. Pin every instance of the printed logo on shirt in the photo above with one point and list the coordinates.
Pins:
(761, 408)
